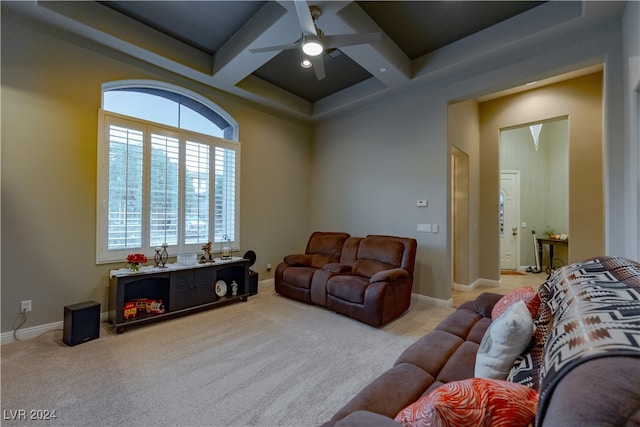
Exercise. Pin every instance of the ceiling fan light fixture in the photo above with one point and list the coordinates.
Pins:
(312, 46)
(305, 63)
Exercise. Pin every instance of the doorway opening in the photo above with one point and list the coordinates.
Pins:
(460, 215)
(534, 192)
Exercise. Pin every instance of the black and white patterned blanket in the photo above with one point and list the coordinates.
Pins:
(592, 310)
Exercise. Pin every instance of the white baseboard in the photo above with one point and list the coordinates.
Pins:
(478, 282)
(36, 331)
(435, 301)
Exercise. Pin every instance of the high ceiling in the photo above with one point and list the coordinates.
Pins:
(211, 41)
(416, 27)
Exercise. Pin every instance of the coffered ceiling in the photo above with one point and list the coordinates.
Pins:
(211, 42)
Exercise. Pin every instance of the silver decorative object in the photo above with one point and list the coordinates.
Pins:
(156, 257)
(164, 255)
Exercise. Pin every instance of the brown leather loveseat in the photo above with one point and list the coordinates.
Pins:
(368, 279)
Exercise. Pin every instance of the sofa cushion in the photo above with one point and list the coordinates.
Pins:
(298, 260)
(484, 303)
(431, 351)
(320, 260)
(348, 288)
(300, 277)
(459, 323)
(473, 402)
(380, 249)
(461, 363)
(326, 243)
(504, 341)
(377, 254)
(524, 293)
(390, 392)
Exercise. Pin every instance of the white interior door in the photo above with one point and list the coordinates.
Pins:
(509, 219)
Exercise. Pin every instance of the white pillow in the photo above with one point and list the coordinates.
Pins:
(506, 338)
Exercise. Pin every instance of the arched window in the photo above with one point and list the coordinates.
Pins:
(168, 171)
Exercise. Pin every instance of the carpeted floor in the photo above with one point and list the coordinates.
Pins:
(268, 362)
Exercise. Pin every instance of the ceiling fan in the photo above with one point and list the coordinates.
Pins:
(314, 42)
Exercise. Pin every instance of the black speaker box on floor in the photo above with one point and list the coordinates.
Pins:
(253, 282)
(81, 323)
(253, 275)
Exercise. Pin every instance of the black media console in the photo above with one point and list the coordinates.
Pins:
(183, 289)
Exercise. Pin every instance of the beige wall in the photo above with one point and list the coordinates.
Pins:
(50, 99)
(580, 100)
(371, 167)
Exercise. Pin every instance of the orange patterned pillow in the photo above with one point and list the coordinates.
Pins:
(473, 402)
(525, 293)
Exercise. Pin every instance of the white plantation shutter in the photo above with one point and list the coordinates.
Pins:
(225, 194)
(197, 193)
(159, 184)
(125, 188)
(164, 207)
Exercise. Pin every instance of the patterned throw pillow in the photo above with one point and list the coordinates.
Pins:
(529, 369)
(505, 339)
(525, 293)
(473, 402)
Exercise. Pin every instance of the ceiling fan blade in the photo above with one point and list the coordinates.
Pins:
(304, 16)
(340, 40)
(288, 46)
(318, 66)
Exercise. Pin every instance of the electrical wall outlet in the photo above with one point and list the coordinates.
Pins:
(268, 267)
(25, 306)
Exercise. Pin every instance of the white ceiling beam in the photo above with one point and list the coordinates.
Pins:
(272, 25)
(384, 59)
(513, 34)
(101, 24)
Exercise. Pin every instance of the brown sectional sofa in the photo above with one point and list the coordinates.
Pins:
(584, 358)
(446, 354)
(366, 278)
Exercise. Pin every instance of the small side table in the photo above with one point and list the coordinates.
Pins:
(551, 243)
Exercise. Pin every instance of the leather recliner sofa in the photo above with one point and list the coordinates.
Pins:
(371, 282)
(584, 357)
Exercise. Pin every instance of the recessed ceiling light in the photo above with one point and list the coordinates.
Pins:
(305, 63)
(383, 69)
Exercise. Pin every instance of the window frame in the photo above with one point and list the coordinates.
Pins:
(106, 119)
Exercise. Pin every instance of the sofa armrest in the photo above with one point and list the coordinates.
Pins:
(389, 275)
(338, 268)
(298, 260)
(484, 303)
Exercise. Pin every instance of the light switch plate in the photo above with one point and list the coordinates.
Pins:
(424, 228)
